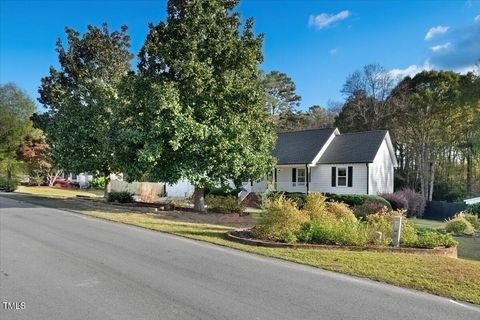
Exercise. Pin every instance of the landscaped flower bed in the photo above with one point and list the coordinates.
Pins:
(334, 224)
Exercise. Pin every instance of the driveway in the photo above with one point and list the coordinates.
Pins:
(63, 265)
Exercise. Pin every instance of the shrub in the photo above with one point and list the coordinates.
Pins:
(222, 204)
(280, 221)
(121, 196)
(367, 208)
(408, 235)
(416, 202)
(223, 191)
(315, 205)
(431, 239)
(473, 219)
(474, 209)
(357, 199)
(98, 183)
(397, 200)
(297, 197)
(330, 231)
(459, 225)
(340, 211)
(8, 185)
(407, 199)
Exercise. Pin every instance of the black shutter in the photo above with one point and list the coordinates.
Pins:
(350, 176)
(294, 174)
(334, 176)
(275, 175)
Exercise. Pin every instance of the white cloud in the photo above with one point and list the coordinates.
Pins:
(323, 20)
(410, 70)
(477, 18)
(441, 47)
(435, 31)
(334, 51)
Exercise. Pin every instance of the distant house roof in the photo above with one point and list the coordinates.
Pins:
(301, 147)
(359, 147)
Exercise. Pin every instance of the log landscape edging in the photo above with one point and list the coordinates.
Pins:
(441, 251)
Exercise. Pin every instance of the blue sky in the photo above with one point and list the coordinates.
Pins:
(317, 43)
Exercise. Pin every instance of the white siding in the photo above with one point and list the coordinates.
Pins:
(182, 189)
(322, 179)
(381, 171)
(284, 180)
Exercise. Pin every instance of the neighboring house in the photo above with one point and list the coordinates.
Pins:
(323, 160)
(83, 179)
(472, 201)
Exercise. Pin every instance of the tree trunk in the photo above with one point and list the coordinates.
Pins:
(199, 199)
(469, 173)
(432, 180)
(106, 188)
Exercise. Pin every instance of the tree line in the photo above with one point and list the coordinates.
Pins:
(198, 107)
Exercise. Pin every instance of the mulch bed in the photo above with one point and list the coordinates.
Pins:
(246, 236)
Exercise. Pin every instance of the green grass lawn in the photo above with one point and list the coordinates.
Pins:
(59, 192)
(453, 278)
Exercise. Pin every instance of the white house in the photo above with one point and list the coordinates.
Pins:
(324, 160)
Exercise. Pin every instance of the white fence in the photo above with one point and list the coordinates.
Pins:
(139, 189)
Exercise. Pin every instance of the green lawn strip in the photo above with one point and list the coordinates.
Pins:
(431, 224)
(58, 192)
(469, 247)
(457, 279)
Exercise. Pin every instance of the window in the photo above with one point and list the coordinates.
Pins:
(342, 177)
(301, 177)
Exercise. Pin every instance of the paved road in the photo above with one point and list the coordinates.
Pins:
(67, 266)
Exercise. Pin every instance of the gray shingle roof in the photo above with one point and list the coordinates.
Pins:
(360, 147)
(300, 147)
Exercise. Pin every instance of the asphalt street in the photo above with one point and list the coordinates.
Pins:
(63, 265)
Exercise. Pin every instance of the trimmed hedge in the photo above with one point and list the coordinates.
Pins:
(122, 197)
(349, 199)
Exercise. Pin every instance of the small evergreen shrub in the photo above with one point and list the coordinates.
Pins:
(224, 191)
(121, 196)
(8, 185)
(224, 204)
(458, 225)
(357, 199)
(280, 221)
(98, 183)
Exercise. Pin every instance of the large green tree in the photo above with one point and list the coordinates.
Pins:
(82, 98)
(201, 83)
(16, 109)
